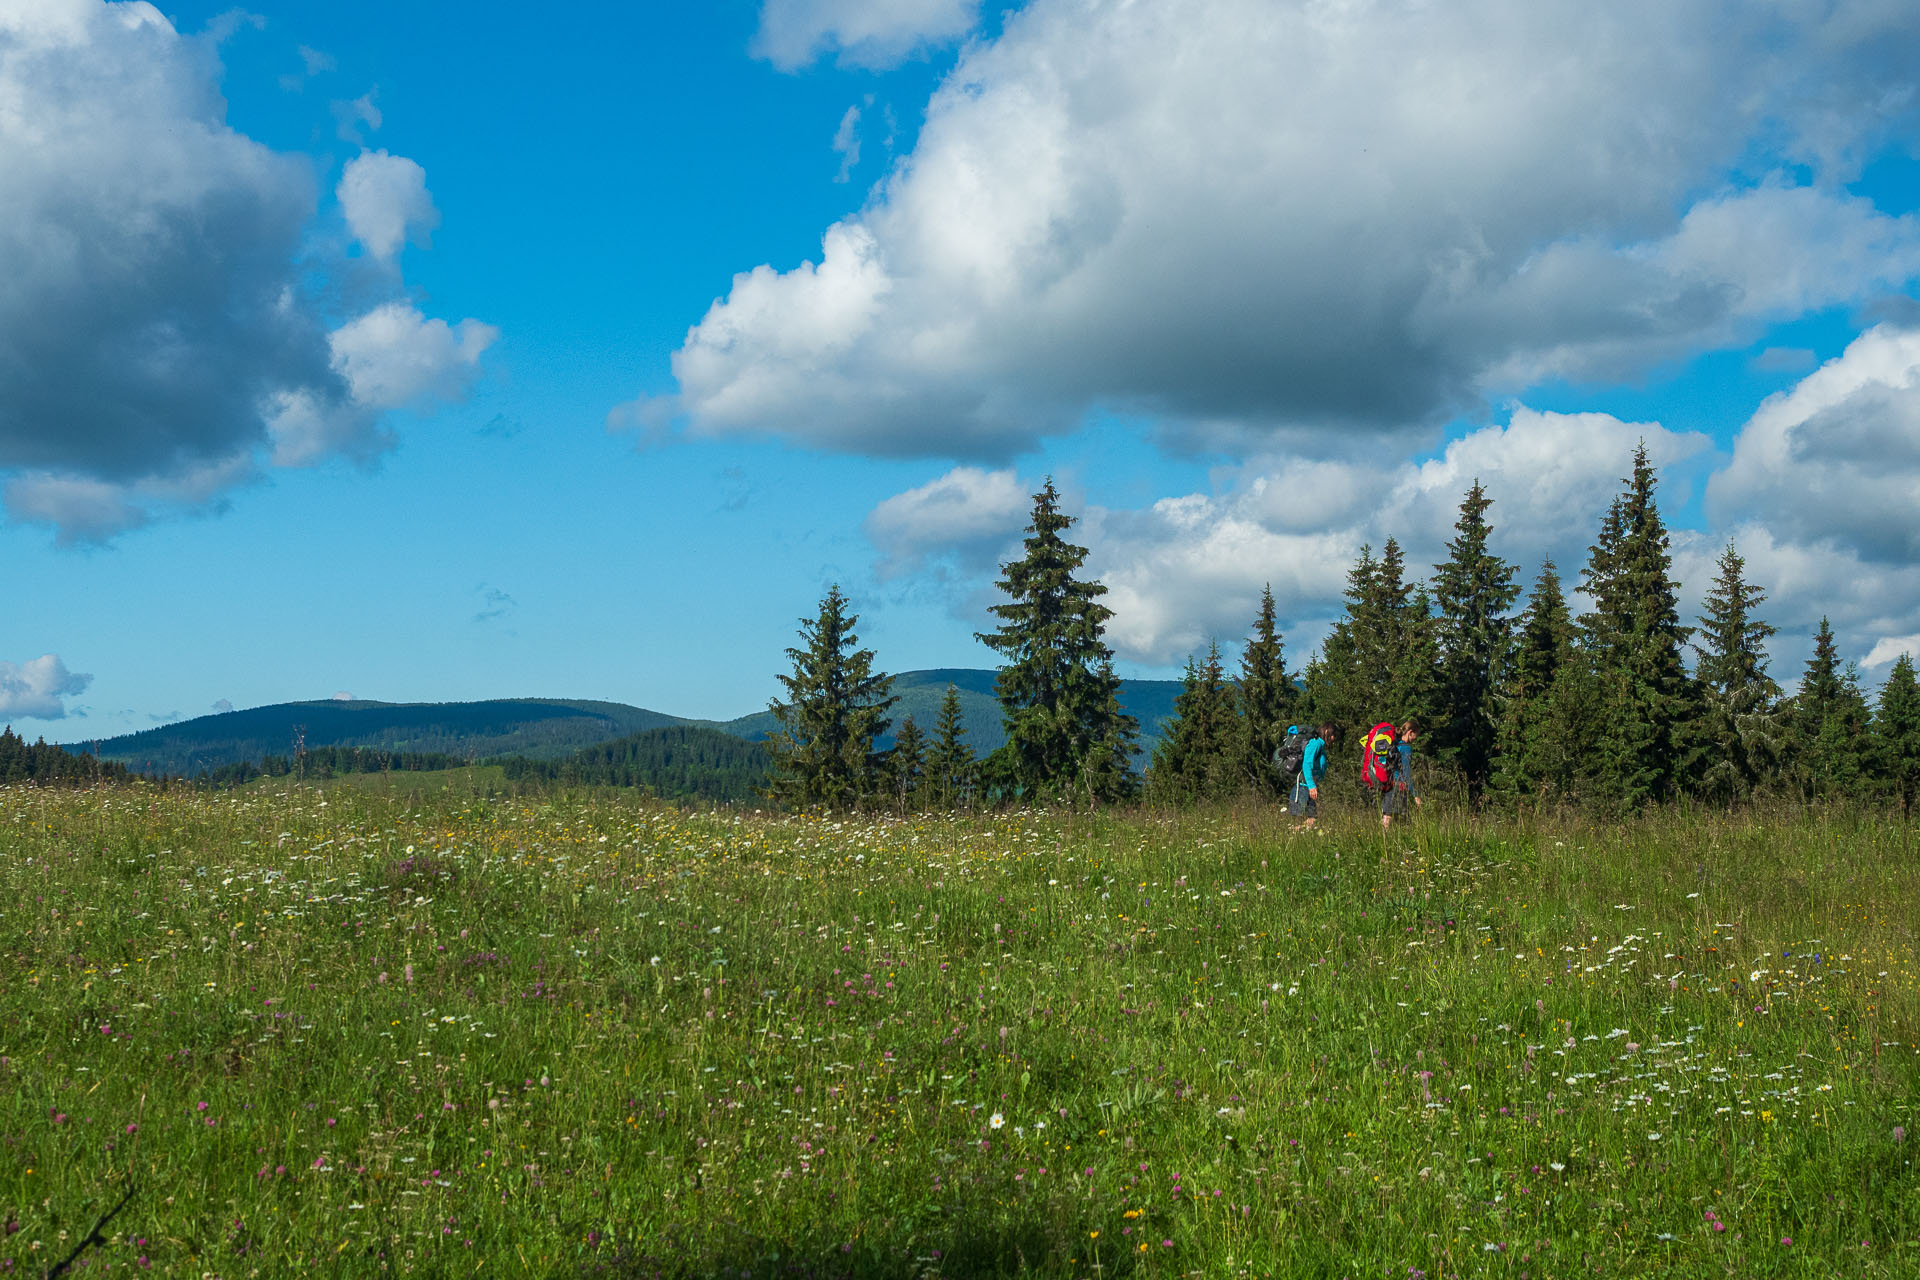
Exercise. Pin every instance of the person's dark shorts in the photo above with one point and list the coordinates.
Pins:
(1302, 804)
(1395, 802)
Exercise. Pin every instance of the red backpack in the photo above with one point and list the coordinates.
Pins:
(1376, 763)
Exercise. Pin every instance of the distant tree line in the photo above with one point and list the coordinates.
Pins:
(1621, 707)
(44, 762)
(328, 762)
(680, 762)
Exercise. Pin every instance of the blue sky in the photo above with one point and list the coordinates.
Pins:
(459, 353)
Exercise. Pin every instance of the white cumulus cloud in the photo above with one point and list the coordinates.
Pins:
(1267, 220)
(863, 33)
(968, 512)
(386, 203)
(37, 689)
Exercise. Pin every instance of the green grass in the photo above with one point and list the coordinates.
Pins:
(364, 1030)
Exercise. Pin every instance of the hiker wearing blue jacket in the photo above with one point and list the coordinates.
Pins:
(1305, 801)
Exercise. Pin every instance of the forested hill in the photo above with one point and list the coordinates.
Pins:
(538, 728)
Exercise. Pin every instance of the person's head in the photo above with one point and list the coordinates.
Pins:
(1409, 731)
(1323, 732)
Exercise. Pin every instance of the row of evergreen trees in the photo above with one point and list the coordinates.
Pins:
(1603, 709)
(1621, 707)
(1067, 738)
(43, 762)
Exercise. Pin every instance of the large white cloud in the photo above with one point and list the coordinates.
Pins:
(1838, 456)
(38, 689)
(1250, 215)
(864, 33)
(159, 336)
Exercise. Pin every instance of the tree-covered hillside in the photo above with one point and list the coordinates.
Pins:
(537, 728)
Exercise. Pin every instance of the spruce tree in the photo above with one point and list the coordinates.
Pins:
(1740, 731)
(1538, 750)
(1266, 701)
(1337, 688)
(1109, 773)
(950, 766)
(1197, 757)
(1059, 698)
(906, 763)
(1827, 723)
(1896, 733)
(1633, 636)
(823, 754)
(1473, 591)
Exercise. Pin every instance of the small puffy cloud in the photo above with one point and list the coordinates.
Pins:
(863, 33)
(1274, 223)
(846, 143)
(221, 706)
(1889, 649)
(349, 115)
(37, 690)
(1837, 456)
(968, 513)
(385, 201)
(343, 696)
(393, 357)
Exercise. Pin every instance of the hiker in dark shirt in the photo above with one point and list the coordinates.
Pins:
(1397, 797)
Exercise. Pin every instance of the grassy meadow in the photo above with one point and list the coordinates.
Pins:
(352, 1030)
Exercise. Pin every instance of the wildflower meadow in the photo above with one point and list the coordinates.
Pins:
(343, 1031)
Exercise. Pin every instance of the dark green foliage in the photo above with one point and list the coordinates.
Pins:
(1473, 590)
(906, 764)
(1380, 661)
(1647, 700)
(1896, 733)
(327, 762)
(1740, 733)
(1267, 699)
(949, 777)
(45, 762)
(1827, 725)
(1110, 774)
(1058, 695)
(836, 707)
(1198, 756)
(679, 762)
(1542, 750)
(539, 728)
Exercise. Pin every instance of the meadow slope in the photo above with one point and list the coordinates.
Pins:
(364, 1033)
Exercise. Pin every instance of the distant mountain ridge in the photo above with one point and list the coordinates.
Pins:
(540, 728)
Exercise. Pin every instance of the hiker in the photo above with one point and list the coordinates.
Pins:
(1305, 801)
(1400, 790)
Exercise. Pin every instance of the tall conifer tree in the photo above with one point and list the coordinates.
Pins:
(837, 704)
(1058, 695)
(1266, 700)
(1896, 732)
(906, 763)
(950, 765)
(1197, 756)
(1540, 750)
(1473, 589)
(1634, 638)
(1827, 723)
(1739, 731)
